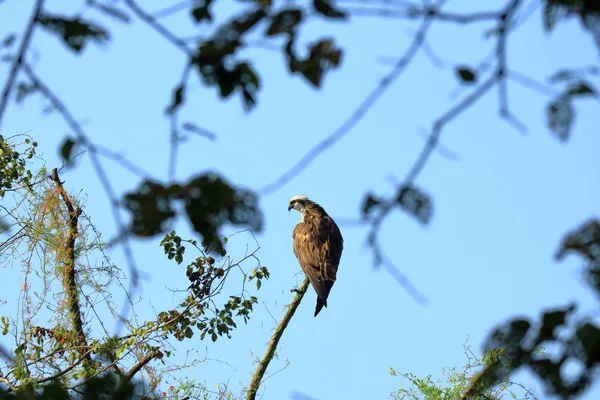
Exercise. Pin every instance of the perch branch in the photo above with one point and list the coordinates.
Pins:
(264, 363)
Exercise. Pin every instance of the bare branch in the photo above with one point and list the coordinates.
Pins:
(172, 9)
(18, 61)
(264, 363)
(150, 20)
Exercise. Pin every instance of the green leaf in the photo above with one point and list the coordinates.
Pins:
(258, 284)
(466, 74)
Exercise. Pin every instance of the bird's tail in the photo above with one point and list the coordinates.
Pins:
(322, 293)
(320, 305)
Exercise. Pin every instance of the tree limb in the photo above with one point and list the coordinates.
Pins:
(264, 363)
(69, 281)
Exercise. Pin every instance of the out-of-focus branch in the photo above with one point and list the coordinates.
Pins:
(264, 363)
(498, 76)
(150, 20)
(69, 280)
(18, 61)
(415, 12)
(174, 125)
(356, 116)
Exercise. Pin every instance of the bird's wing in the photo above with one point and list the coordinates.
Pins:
(318, 247)
(332, 245)
(307, 249)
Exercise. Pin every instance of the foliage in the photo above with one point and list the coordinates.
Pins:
(576, 338)
(68, 298)
(210, 202)
(455, 381)
(13, 160)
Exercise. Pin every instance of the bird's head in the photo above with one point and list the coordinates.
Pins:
(298, 203)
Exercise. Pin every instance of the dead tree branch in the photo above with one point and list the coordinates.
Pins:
(264, 363)
(69, 274)
(95, 159)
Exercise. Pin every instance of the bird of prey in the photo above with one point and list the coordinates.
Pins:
(318, 246)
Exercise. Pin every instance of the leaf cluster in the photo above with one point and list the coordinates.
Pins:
(576, 338)
(209, 202)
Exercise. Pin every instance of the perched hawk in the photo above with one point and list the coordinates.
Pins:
(318, 246)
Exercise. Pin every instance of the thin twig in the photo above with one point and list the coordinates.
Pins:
(264, 363)
(16, 65)
(150, 20)
(497, 76)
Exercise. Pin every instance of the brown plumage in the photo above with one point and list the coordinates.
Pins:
(318, 246)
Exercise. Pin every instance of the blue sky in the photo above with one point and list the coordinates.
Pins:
(501, 204)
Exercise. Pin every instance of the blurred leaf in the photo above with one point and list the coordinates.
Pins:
(581, 88)
(178, 99)
(210, 203)
(564, 75)
(8, 40)
(23, 90)
(416, 203)
(554, 11)
(560, 115)
(326, 8)
(369, 203)
(584, 241)
(323, 56)
(201, 10)
(75, 32)
(588, 337)
(150, 207)
(285, 22)
(466, 75)
(67, 149)
(550, 321)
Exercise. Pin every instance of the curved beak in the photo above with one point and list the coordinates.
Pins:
(290, 207)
